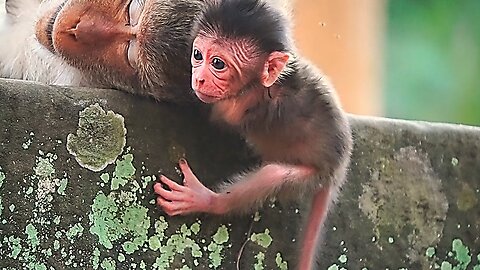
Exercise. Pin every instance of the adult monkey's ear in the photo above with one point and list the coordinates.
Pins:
(274, 65)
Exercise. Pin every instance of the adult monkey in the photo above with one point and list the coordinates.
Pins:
(140, 46)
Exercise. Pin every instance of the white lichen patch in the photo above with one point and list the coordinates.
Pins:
(99, 139)
(406, 193)
(44, 185)
(29, 141)
(454, 161)
(44, 173)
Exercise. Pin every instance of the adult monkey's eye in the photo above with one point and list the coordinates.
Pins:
(197, 55)
(135, 8)
(218, 63)
(132, 53)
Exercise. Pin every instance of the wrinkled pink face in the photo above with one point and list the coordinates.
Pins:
(220, 69)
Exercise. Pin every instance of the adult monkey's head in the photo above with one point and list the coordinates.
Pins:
(141, 46)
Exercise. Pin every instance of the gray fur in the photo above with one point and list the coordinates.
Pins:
(164, 71)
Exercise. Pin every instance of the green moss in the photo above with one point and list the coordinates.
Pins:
(105, 177)
(44, 167)
(458, 259)
(333, 267)
(57, 219)
(75, 231)
(62, 186)
(47, 252)
(221, 236)
(343, 258)
(124, 171)
(147, 180)
(195, 228)
(103, 217)
(160, 226)
(99, 139)
(185, 230)
(32, 236)
(262, 239)
(136, 222)
(108, 264)
(110, 223)
(178, 244)
(259, 263)
(477, 267)
(446, 266)
(216, 247)
(154, 243)
(430, 252)
(96, 258)
(14, 243)
(121, 257)
(118, 215)
(462, 254)
(56, 244)
(39, 266)
(282, 265)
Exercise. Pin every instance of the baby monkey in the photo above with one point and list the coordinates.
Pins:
(244, 65)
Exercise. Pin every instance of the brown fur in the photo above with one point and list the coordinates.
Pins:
(98, 58)
(295, 124)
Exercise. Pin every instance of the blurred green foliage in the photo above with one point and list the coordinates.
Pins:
(433, 60)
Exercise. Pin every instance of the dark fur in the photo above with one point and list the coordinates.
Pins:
(298, 122)
(256, 18)
(303, 110)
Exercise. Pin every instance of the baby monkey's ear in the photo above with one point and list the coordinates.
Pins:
(274, 65)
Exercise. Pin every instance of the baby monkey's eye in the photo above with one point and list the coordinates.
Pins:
(197, 55)
(218, 63)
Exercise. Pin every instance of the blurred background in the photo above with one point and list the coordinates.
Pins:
(404, 59)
